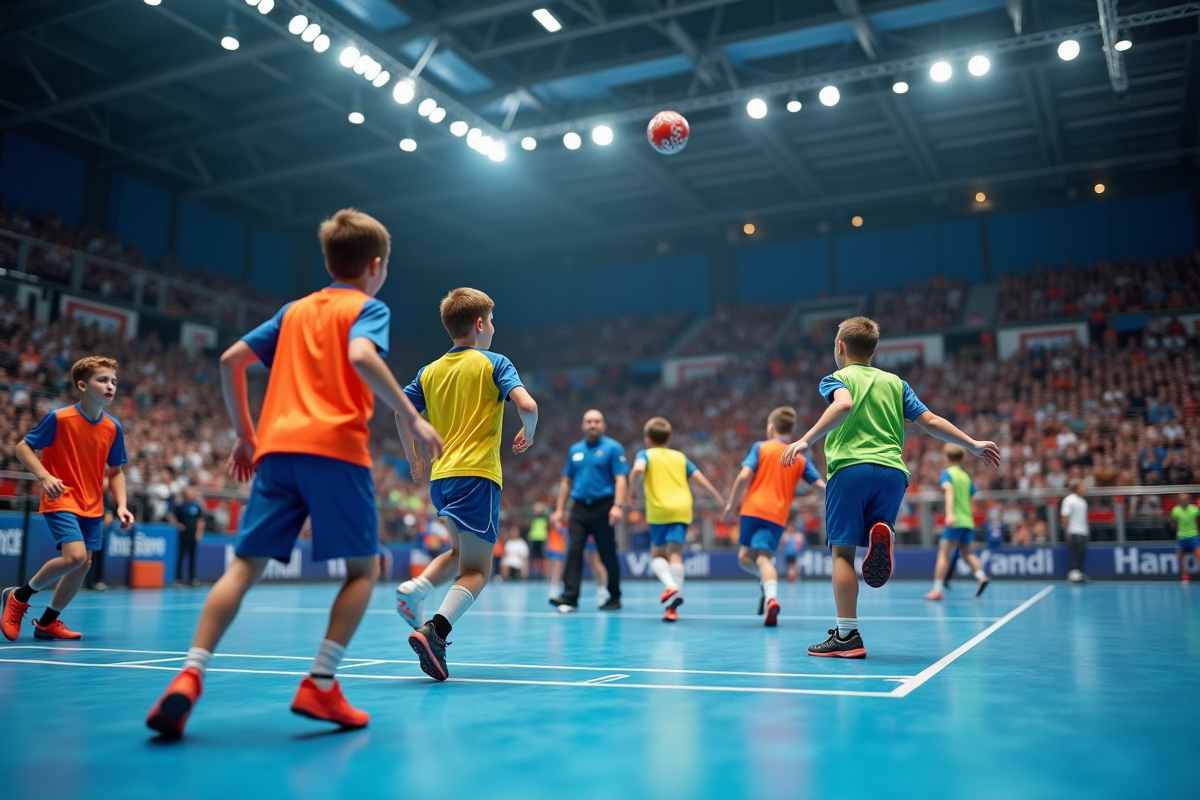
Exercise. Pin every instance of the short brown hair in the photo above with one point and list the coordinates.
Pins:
(86, 367)
(462, 308)
(861, 335)
(782, 419)
(657, 430)
(954, 453)
(350, 240)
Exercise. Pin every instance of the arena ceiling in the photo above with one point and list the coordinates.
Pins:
(263, 129)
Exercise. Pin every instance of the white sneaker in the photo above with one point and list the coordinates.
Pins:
(1075, 576)
(602, 596)
(411, 607)
(566, 609)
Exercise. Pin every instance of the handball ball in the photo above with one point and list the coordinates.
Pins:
(668, 132)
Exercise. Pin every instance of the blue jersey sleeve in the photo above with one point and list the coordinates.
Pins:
(569, 467)
(944, 478)
(42, 435)
(415, 393)
(973, 489)
(810, 472)
(619, 465)
(641, 458)
(690, 466)
(262, 340)
(913, 407)
(829, 385)
(116, 453)
(374, 322)
(751, 459)
(504, 374)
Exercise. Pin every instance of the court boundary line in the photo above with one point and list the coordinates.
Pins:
(624, 615)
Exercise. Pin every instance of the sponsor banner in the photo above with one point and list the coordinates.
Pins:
(902, 351)
(110, 319)
(1010, 341)
(678, 370)
(1190, 321)
(197, 338)
(148, 541)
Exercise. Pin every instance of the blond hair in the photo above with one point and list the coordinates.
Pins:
(85, 368)
(462, 308)
(657, 430)
(351, 240)
(861, 335)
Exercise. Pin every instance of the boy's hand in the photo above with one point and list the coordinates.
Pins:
(241, 460)
(728, 516)
(426, 436)
(53, 487)
(521, 444)
(416, 468)
(988, 451)
(951, 521)
(556, 518)
(795, 449)
(615, 515)
(126, 518)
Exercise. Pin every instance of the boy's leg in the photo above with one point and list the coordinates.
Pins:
(661, 568)
(748, 561)
(14, 602)
(844, 641)
(65, 591)
(221, 607)
(941, 568)
(353, 598)
(411, 594)
(765, 561)
(976, 566)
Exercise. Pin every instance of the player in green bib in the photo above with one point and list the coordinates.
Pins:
(867, 476)
(958, 489)
(1183, 518)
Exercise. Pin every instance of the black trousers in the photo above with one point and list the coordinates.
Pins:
(187, 546)
(590, 519)
(1077, 549)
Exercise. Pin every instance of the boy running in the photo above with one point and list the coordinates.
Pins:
(463, 393)
(666, 473)
(767, 506)
(1183, 519)
(309, 460)
(80, 446)
(959, 534)
(867, 473)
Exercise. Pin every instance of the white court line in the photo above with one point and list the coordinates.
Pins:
(150, 661)
(475, 612)
(370, 663)
(924, 675)
(606, 679)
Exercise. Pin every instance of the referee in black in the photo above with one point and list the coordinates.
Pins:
(595, 477)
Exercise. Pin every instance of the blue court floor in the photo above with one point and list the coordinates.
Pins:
(1032, 691)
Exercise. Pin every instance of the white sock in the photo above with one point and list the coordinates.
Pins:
(457, 601)
(419, 586)
(329, 656)
(980, 575)
(938, 585)
(662, 571)
(197, 659)
(770, 589)
(677, 575)
(845, 625)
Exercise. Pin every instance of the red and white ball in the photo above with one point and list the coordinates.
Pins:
(668, 132)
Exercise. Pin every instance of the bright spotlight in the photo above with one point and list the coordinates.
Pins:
(794, 106)
(941, 71)
(311, 32)
(230, 42)
(404, 92)
(1122, 45)
(484, 145)
(900, 87)
(381, 79)
(980, 197)
(348, 56)
(1099, 188)
(459, 128)
(361, 63)
(748, 229)
(572, 141)
(373, 70)
(427, 106)
(321, 43)
(266, 6)
(408, 145)
(298, 24)
(229, 33)
(548, 20)
(356, 118)
(829, 96)
(1068, 50)
(602, 135)
(251, 2)
(529, 143)
(757, 108)
(498, 152)
(437, 115)
(979, 66)
(856, 221)
(153, 2)
(473, 137)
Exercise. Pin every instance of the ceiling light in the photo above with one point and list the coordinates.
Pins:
(1068, 50)
(348, 56)
(408, 145)
(356, 118)
(757, 108)
(311, 32)
(372, 71)
(484, 145)
(298, 24)
(528, 143)
(856, 221)
(548, 20)
(361, 63)
(229, 34)
(437, 115)
(979, 66)
(499, 152)
(748, 228)
(321, 43)
(473, 137)
(1099, 188)
(427, 106)
(459, 128)
(404, 92)
(251, 2)
(900, 87)
(793, 106)
(980, 197)
(266, 6)
(572, 141)
(153, 2)
(941, 71)
(1122, 45)
(602, 135)
(381, 79)
(829, 96)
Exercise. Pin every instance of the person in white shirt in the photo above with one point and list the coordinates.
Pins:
(515, 562)
(1074, 511)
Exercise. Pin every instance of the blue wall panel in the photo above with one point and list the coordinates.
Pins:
(41, 178)
(271, 262)
(889, 258)
(1158, 226)
(960, 250)
(657, 286)
(139, 213)
(529, 301)
(207, 238)
(1049, 236)
(783, 272)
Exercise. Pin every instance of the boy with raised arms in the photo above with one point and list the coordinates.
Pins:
(867, 475)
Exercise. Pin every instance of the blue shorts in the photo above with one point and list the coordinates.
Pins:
(760, 534)
(590, 546)
(857, 497)
(556, 555)
(66, 526)
(1187, 545)
(472, 503)
(959, 535)
(660, 535)
(288, 487)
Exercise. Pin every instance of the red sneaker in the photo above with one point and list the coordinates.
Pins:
(668, 594)
(55, 630)
(772, 613)
(170, 713)
(328, 706)
(1185, 578)
(12, 614)
(671, 615)
(877, 566)
(935, 594)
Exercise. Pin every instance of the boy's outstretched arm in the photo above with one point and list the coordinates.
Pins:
(736, 495)
(637, 476)
(945, 430)
(412, 453)
(375, 373)
(116, 485)
(527, 408)
(234, 363)
(707, 486)
(835, 414)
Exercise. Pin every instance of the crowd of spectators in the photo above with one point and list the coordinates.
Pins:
(741, 329)
(594, 343)
(921, 306)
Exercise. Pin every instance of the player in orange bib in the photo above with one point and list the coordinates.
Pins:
(767, 505)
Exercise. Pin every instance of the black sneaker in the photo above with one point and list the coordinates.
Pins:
(762, 599)
(559, 601)
(877, 566)
(431, 650)
(837, 647)
(982, 585)
(611, 605)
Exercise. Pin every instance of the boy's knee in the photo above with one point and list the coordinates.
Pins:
(362, 568)
(75, 557)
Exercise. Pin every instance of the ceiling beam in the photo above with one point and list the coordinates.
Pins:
(782, 156)
(912, 139)
(864, 32)
(47, 14)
